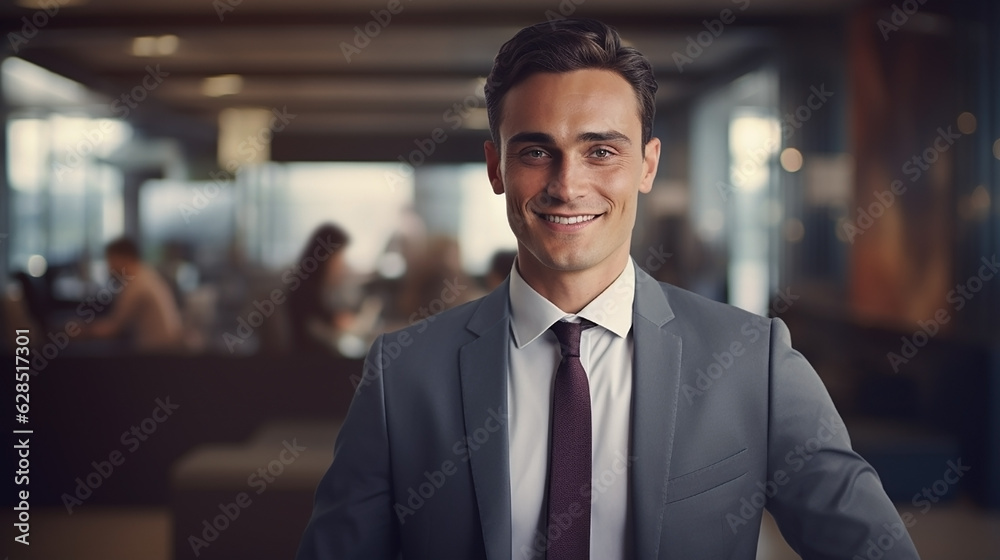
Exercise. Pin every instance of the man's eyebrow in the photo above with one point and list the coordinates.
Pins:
(531, 138)
(543, 138)
(609, 136)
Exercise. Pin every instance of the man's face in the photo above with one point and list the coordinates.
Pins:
(571, 162)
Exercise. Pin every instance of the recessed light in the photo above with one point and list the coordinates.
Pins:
(791, 160)
(162, 45)
(966, 123)
(218, 86)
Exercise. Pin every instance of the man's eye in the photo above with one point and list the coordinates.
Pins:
(536, 154)
(602, 153)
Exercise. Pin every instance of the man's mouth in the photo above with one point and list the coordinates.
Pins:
(569, 220)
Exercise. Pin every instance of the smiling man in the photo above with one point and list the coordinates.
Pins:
(571, 158)
(549, 418)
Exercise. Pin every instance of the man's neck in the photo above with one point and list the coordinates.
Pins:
(571, 291)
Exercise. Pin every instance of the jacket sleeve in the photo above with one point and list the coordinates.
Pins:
(828, 501)
(352, 515)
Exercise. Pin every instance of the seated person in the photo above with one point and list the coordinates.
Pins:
(144, 306)
(321, 305)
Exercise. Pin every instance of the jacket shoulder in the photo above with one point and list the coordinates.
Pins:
(690, 306)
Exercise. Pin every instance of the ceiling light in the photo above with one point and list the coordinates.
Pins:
(163, 45)
(244, 137)
(167, 44)
(966, 123)
(477, 119)
(218, 86)
(794, 230)
(37, 265)
(144, 46)
(791, 160)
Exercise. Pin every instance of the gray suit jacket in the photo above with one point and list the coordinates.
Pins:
(726, 419)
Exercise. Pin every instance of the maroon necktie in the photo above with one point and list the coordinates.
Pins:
(568, 529)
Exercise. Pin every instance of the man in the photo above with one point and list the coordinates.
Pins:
(472, 435)
(144, 306)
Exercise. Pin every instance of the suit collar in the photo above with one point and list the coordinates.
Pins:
(654, 308)
(531, 314)
(493, 308)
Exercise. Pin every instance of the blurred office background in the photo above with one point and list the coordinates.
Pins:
(832, 162)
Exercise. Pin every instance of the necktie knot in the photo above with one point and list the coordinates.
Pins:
(569, 337)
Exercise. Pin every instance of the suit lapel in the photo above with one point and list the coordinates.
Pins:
(483, 364)
(655, 388)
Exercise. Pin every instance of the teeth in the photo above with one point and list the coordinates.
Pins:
(569, 220)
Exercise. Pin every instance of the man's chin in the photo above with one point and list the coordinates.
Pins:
(561, 262)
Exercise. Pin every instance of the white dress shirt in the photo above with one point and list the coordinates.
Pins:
(606, 355)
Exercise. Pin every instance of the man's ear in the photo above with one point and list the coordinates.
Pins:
(650, 162)
(493, 166)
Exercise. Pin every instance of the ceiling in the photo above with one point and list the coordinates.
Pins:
(352, 97)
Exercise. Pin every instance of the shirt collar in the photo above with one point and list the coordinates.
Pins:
(532, 314)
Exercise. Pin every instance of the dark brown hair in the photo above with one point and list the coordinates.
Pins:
(123, 246)
(563, 46)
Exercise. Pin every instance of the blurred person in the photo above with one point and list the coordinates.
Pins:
(320, 303)
(402, 254)
(177, 268)
(500, 266)
(37, 304)
(679, 256)
(435, 281)
(144, 309)
(582, 409)
(15, 313)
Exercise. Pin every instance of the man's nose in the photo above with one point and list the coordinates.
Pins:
(568, 180)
